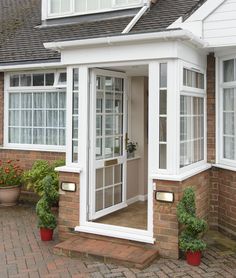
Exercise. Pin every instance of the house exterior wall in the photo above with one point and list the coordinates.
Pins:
(219, 27)
(69, 206)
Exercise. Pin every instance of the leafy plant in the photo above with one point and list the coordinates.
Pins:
(10, 173)
(42, 168)
(132, 146)
(194, 227)
(46, 219)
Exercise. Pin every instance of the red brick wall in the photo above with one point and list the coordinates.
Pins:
(1, 106)
(211, 108)
(166, 226)
(27, 158)
(227, 202)
(69, 206)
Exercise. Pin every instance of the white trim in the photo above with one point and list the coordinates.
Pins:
(117, 232)
(138, 198)
(226, 167)
(23, 148)
(183, 176)
(135, 19)
(31, 66)
(68, 169)
(72, 12)
(124, 39)
(220, 86)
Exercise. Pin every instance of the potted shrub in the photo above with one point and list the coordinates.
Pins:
(33, 178)
(131, 148)
(193, 228)
(46, 219)
(10, 182)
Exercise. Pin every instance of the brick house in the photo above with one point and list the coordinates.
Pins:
(81, 79)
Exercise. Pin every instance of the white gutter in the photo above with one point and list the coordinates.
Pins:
(136, 19)
(31, 66)
(169, 35)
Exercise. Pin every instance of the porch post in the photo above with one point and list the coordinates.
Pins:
(84, 141)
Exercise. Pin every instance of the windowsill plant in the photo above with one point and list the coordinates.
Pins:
(10, 182)
(193, 228)
(131, 148)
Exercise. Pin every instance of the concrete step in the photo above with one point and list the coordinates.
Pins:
(121, 252)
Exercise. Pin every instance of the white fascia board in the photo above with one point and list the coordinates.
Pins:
(173, 35)
(205, 10)
(31, 66)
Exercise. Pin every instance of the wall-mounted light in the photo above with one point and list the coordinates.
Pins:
(68, 186)
(164, 196)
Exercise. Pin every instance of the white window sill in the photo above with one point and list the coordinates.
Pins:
(226, 167)
(182, 176)
(68, 169)
(45, 149)
(133, 158)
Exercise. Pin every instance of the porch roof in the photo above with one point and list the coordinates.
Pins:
(22, 36)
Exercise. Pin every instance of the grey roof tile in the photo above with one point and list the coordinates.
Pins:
(22, 38)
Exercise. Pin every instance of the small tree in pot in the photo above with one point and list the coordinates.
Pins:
(191, 237)
(46, 219)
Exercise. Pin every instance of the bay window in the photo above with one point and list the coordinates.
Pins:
(74, 7)
(227, 105)
(35, 111)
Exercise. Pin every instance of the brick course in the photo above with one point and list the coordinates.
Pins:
(69, 206)
(166, 226)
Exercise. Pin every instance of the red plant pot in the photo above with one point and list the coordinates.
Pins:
(194, 258)
(46, 234)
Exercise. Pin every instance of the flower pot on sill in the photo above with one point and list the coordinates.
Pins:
(130, 155)
(9, 195)
(46, 234)
(194, 258)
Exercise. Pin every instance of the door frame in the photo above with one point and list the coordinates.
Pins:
(153, 99)
(92, 214)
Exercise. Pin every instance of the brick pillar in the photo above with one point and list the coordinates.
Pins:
(166, 226)
(1, 106)
(211, 109)
(214, 199)
(69, 206)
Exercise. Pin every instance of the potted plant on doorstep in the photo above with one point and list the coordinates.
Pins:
(46, 219)
(10, 182)
(193, 228)
(131, 148)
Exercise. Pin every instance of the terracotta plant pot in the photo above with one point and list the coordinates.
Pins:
(9, 195)
(194, 258)
(46, 234)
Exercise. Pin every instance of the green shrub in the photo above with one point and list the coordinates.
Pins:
(46, 219)
(193, 227)
(33, 178)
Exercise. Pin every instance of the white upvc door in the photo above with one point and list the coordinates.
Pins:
(108, 139)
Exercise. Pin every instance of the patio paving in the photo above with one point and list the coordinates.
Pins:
(22, 254)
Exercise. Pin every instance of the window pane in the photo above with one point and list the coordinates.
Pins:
(163, 75)
(14, 100)
(65, 6)
(163, 102)
(38, 79)
(28, 112)
(25, 80)
(228, 70)
(191, 130)
(55, 6)
(229, 148)
(49, 77)
(14, 80)
(162, 156)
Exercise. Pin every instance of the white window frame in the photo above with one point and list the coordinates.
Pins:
(220, 86)
(46, 8)
(8, 89)
(193, 92)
